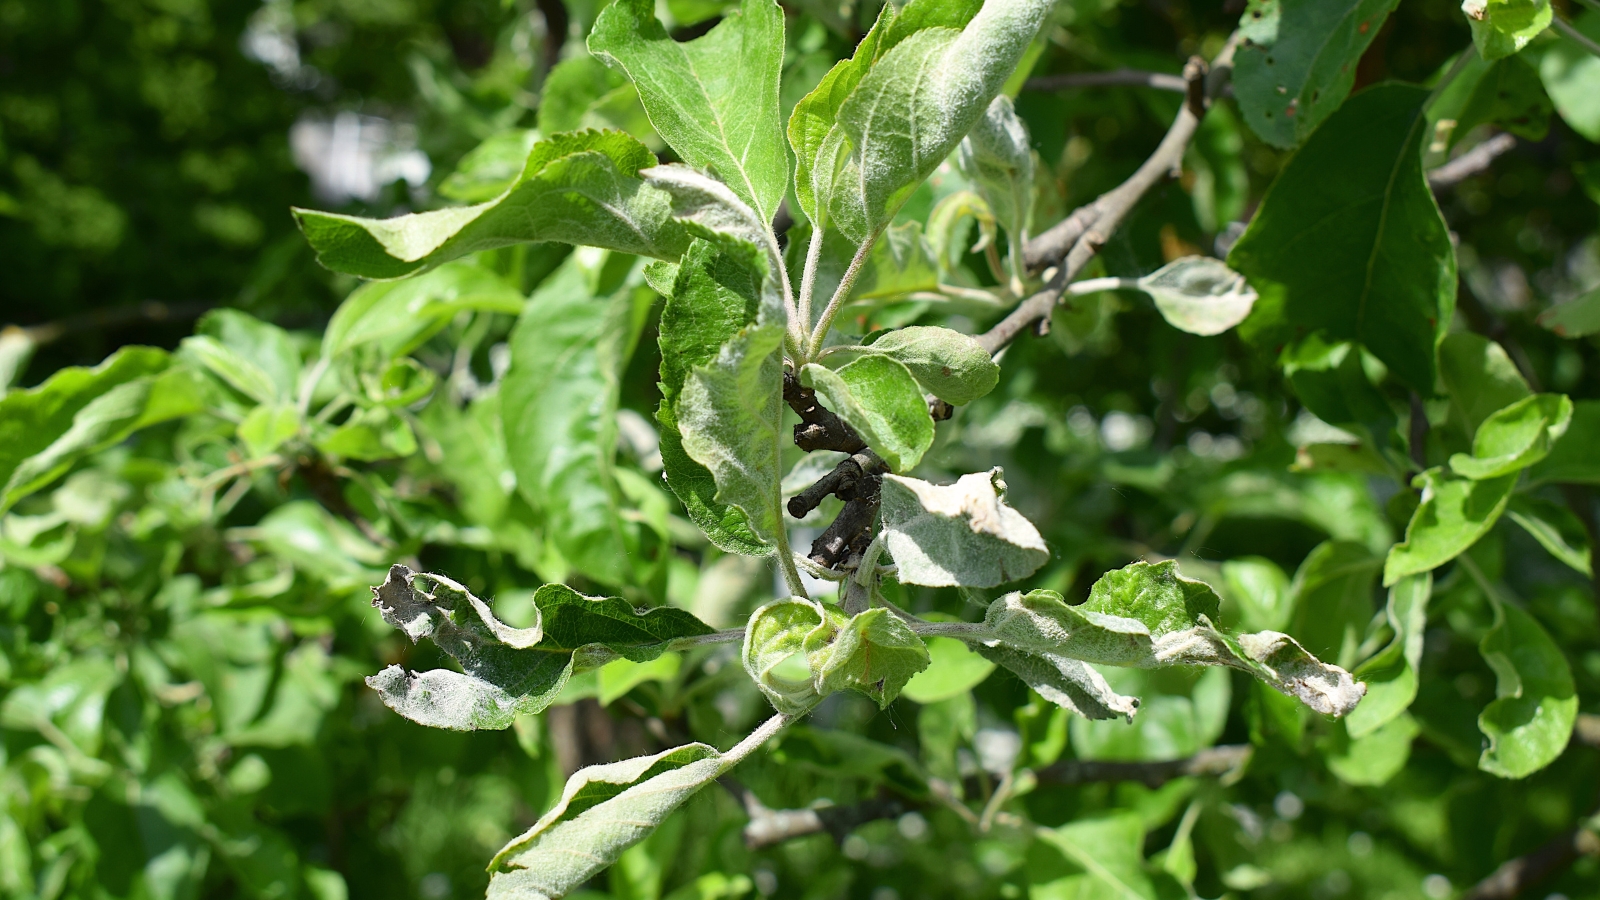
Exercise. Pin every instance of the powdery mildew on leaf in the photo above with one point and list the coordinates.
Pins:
(959, 534)
(1199, 294)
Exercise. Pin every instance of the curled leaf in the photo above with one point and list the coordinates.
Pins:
(959, 534)
(1515, 437)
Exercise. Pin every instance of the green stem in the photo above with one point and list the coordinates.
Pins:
(857, 263)
(808, 279)
(791, 574)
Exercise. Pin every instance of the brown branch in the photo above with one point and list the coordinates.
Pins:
(1077, 238)
(850, 533)
(819, 428)
(1213, 761)
(1470, 163)
(774, 826)
(1119, 78)
(1517, 875)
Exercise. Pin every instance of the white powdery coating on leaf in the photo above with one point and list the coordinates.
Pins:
(440, 698)
(958, 534)
(1199, 295)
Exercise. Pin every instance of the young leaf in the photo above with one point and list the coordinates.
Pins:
(1331, 381)
(1530, 721)
(1373, 758)
(713, 294)
(603, 811)
(731, 418)
(231, 366)
(714, 99)
(1391, 676)
(268, 348)
(1349, 239)
(1503, 27)
(1515, 438)
(883, 120)
(580, 188)
(1453, 514)
(1480, 378)
(1573, 460)
(774, 651)
(505, 670)
(1148, 616)
(1299, 61)
(1333, 599)
(1556, 529)
(961, 534)
(368, 435)
(558, 404)
(997, 156)
(947, 364)
(1199, 295)
(398, 317)
(878, 397)
(874, 653)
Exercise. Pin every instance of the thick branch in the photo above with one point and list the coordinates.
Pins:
(1119, 78)
(1209, 762)
(850, 533)
(774, 826)
(819, 428)
(848, 480)
(1470, 163)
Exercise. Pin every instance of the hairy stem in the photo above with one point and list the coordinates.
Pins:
(791, 574)
(857, 262)
(808, 279)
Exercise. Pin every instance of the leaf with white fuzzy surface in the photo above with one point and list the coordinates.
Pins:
(1199, 295)
(715, 98)
(1146, 616)
(997, 155)
(1071, 684)
(603, 811)
(506, 670)
(874, 653)
(959, 534)
(582, 187)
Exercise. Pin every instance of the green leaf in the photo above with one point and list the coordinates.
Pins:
(232, 367)
(1376, 757)
(713, 293)
(558, 405)
(1574, 318)
(604, 810)
(1515, 438)
(1503, 27)
(1573, 460)
(1530, 721)
(953, 669)
(947, 364)
(774, 651)
(1349, 239)
(579, 188)
(44, 430)
(883, 120)
(1556, 529)
(1147, 616)
(1107, 860)
(1199, 295)
(878, 397)
(1391, 676)
(1299, 61)
(1260, 591)
(268, 426)
(714, 99)
(1069, 683)
(370, 434)
(1454, 513)
(1480, 378)
(1332, 382)
(583, 92)
(1182, 711)
(1506, 93)
(398, 316)
(874, 652)
(731, 418)
(618, 677)
(505, 670)
(961, 534)
(1569, 73)
(1333, 599)
(491, 167)
(997, 155)
(264, 345)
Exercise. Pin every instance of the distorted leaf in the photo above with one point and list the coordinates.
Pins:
(1392, 674)
(1555, 528)
(1515, 437)
(959, 534)
(873, 652)
(1530, 721)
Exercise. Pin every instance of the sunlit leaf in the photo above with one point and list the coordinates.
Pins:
(959, 534)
